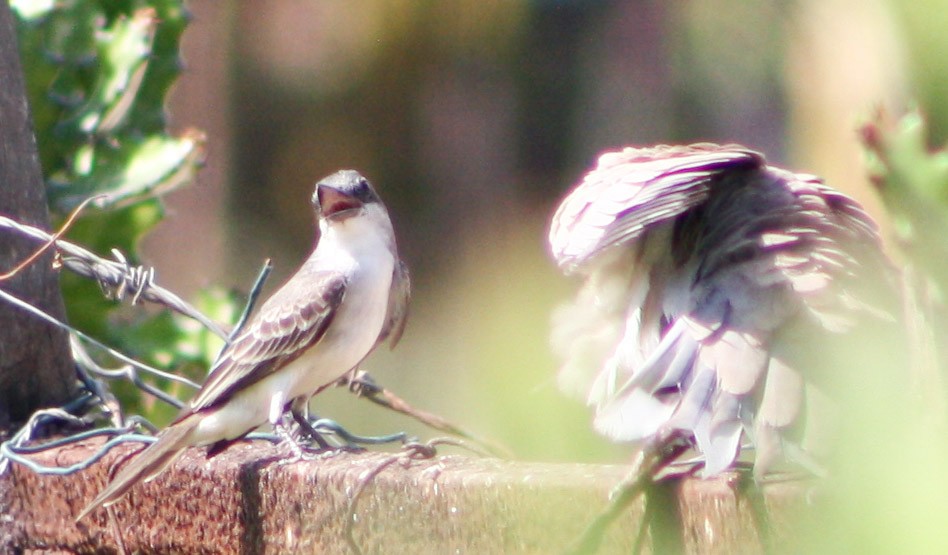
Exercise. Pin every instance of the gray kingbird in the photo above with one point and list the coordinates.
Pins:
(350, 295)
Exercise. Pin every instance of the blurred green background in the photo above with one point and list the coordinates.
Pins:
(473, 118)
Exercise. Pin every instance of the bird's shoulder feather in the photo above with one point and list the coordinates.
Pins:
(294, 319)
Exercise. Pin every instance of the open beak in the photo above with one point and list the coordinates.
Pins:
(336, 204)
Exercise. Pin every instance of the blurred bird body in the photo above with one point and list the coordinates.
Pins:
(717, 290)
(350, 295)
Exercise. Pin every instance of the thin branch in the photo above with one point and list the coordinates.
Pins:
(362, 384)
(252, 298)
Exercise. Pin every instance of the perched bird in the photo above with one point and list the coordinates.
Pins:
(719, 300)
(350, 295)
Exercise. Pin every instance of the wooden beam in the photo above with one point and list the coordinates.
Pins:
(248, 500)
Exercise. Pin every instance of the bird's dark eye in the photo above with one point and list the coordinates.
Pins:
(363, 191)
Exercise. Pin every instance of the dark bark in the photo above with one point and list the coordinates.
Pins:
(35, 364)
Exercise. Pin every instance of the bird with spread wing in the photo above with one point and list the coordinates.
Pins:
(720, 304)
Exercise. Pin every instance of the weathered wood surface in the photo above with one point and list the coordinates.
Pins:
(246, 500)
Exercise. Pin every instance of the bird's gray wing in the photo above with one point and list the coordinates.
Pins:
(781, 261)
(398, 299)
(844, 244)
(633, 190)
(294, 319)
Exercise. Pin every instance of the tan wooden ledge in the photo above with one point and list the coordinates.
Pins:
(246, 501)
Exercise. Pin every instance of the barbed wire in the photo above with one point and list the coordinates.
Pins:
(16, 448)
(116, 277)
(15, 301)
(120, 281)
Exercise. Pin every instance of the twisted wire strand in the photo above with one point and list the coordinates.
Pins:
(115, 276)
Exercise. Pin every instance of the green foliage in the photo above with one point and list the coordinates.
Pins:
(172, 341)
(98, 73)
(913, 182)
(880, 503)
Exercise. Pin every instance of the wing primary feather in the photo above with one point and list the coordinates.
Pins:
(270, 341)
(397, 314)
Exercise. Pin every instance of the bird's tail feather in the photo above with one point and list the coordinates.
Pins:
(170, 444)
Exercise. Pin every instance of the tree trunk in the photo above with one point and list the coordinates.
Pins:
(35, 364)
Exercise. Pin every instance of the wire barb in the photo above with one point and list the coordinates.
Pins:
(113, 275)
(135, 278)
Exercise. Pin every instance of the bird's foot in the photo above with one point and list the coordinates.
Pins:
(287, 437)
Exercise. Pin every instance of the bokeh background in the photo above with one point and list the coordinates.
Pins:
(473, 118)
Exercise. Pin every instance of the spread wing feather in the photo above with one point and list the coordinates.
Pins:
(634, 189)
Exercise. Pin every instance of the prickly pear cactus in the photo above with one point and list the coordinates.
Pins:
(98, 72)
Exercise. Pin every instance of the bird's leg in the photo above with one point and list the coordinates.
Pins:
(282, 428)
(285, 432)
(744, 485)
(648, 462)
